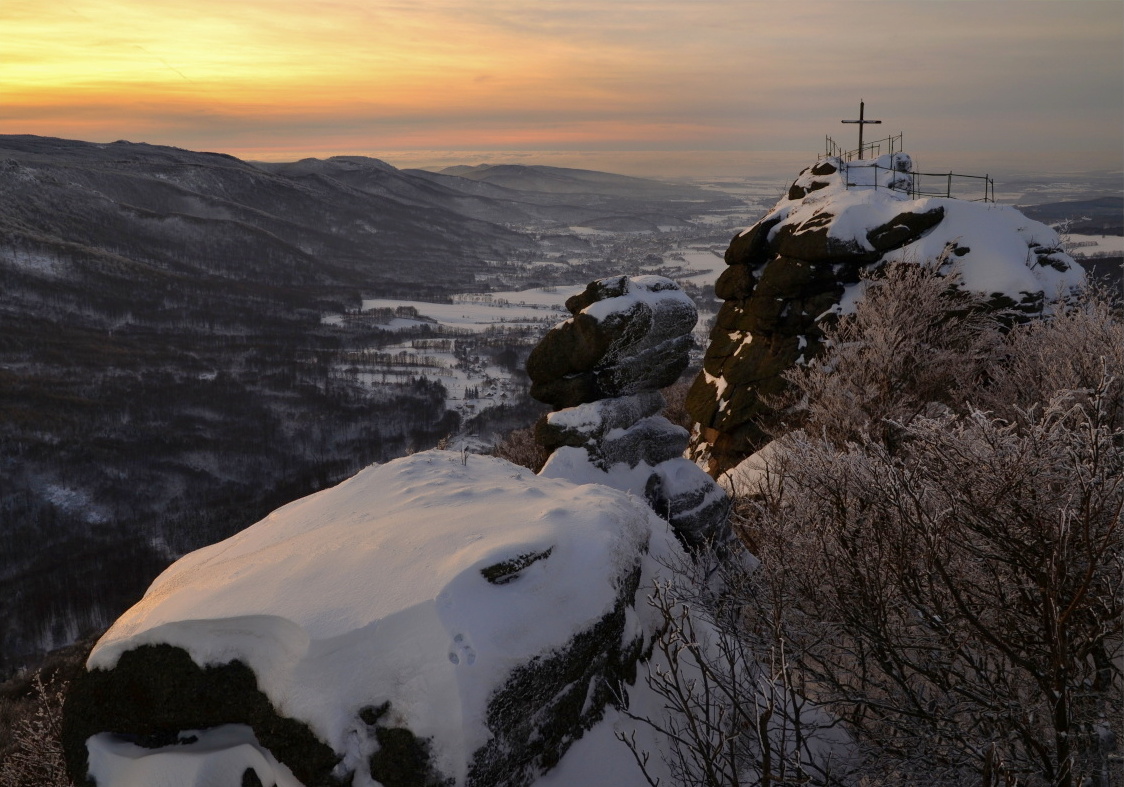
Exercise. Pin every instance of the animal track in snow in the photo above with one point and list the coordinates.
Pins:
(462, 651)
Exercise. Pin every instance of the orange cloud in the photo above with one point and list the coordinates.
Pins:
(325, 74)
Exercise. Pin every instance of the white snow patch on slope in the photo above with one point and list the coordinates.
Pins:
(478, 313)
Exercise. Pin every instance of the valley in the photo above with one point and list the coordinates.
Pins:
(189, 341)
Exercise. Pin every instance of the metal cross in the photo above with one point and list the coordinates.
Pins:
(862, 122)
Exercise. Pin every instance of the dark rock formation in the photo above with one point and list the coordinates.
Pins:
(790, 271)
(602, 370)
(548, 703)
(626, 335)
(157, 691)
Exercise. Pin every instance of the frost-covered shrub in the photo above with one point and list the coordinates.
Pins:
(916, 342)
(1078, 349)
(36, 759)
(941, 548)
(958, 604)
(520, 447)
(919, 344)
(736, 712)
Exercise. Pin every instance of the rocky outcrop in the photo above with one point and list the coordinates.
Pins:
(626, 335)
(801, 265)
(602, 370)
(155, 692)
(438, 620)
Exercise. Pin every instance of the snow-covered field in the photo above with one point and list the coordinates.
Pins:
(1092, 245)
(700, 265)
(465, 369)
(471, 378)
(478, 312)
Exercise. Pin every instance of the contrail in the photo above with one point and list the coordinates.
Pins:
(162, 60)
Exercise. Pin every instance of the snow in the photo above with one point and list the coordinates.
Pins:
(476, 313)
(592, 417)
(42, 264)
(680, 476)
(656, 292)
(720, 384)
(1088, 245)
(698, 265)
(203, 757)
(372, 591)
(751, 475)
(999, 238)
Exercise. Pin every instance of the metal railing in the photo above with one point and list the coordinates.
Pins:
(893, 144)
(869, 149)
(946, 183)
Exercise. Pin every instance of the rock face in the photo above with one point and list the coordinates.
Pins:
(431, 621)
(602, 371)
(801, 264)
(627, 335)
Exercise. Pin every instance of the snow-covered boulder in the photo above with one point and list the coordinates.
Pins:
(802, 263)
(436, 620)
(627, 335)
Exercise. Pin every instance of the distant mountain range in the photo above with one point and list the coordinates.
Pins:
(142, 214)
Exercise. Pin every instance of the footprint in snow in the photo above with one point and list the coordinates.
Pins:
(462, 651)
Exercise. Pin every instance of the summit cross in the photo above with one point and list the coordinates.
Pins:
(862, 122)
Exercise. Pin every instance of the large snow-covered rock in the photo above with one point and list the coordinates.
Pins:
(803, 261)
(435, 620)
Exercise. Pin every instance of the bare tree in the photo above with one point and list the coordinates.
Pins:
(734, 712)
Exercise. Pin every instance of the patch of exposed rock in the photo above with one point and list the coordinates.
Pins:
(801, 265)
(627, 335)
(602, 370)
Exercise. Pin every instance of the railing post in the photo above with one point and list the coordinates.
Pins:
(948, 191)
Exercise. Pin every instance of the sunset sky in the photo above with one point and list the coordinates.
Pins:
(664, 84)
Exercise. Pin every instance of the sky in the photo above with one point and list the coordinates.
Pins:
(640, 86)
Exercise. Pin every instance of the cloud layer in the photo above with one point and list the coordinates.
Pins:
(281, 79)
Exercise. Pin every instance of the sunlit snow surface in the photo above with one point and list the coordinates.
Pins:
(372, 591)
